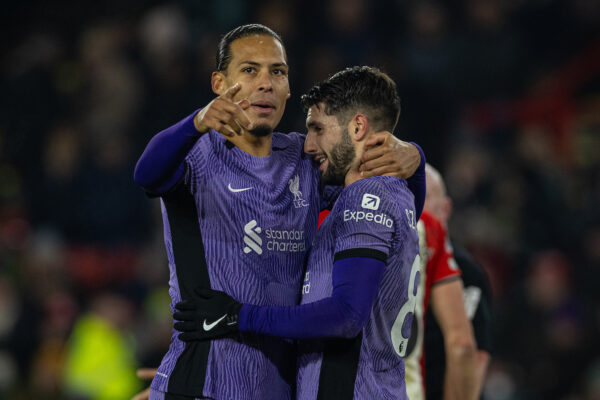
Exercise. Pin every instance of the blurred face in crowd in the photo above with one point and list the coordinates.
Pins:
(330, 145)
(436, 200)
(258, 63)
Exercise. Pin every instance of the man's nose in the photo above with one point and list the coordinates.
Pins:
(265, 81)
(310, 144)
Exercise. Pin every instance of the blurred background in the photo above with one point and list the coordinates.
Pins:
(503, 95)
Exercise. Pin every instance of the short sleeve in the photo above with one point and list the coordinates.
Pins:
(195, 163)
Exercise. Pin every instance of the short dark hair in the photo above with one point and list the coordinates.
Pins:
(353, 89)
(224, 49)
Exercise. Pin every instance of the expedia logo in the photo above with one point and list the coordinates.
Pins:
(251, 238)
(370, 201)
(357, 216)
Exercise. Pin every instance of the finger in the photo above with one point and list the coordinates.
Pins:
(244, 104)
(231, 114)
(377, 163)
(146, 373)
(377, 138)
(231, 92)
(373, 153)
(238, 124)
(185, 305)
(381, 171)
(228, 112)
(145, 395)
(226, 130)
(225, 116)
(186, 326)
(184, 316)
(241, 115)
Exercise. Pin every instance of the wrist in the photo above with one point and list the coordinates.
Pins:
(421, 155)
(201, 128)
(244, 317)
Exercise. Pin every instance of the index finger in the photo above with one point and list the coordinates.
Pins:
(232, 91)
(377, 138)
(373, 153)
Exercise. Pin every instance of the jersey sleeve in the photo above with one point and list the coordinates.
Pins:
(194, 166)
(366, 216)
(161, 167)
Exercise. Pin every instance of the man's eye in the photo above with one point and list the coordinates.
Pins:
(248, 70)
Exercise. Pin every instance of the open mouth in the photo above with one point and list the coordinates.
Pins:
(263, 107)
(321, 161)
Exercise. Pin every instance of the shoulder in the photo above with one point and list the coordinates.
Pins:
(376, 195)
(431, 223)
(388, 187)
(205, 144)
(434, 231)
(292, 140)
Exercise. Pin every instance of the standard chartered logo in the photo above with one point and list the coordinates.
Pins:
(276, 240)
(251, 238)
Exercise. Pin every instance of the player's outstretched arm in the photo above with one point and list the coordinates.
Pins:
(161, 165)
(355, 285)
(448, 307)
(144, 373)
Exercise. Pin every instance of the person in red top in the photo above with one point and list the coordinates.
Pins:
(441, 288)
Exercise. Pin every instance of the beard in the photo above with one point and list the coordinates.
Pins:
(261, 130)
(340, 159)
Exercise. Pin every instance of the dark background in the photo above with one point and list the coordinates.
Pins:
(503, 96)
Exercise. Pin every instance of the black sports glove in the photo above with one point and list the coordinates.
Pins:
(214, 314)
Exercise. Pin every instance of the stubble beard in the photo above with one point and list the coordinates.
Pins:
(340, 159)
(261, 130)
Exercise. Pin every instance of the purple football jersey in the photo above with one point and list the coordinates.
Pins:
(243, 225)
(371, 215)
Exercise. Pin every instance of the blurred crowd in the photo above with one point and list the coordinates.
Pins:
(503, 95)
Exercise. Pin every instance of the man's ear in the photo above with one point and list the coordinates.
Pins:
(217, 82)
(358, 127)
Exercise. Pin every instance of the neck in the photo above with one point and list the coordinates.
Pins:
(253, 145)
(351, 177)
(353, 173)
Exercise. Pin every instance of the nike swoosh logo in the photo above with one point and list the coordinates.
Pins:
(237, 190)
(208, 327)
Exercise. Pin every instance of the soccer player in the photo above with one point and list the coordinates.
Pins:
(240, 205)
(476, 294)
(442, 293)
(362, 272)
